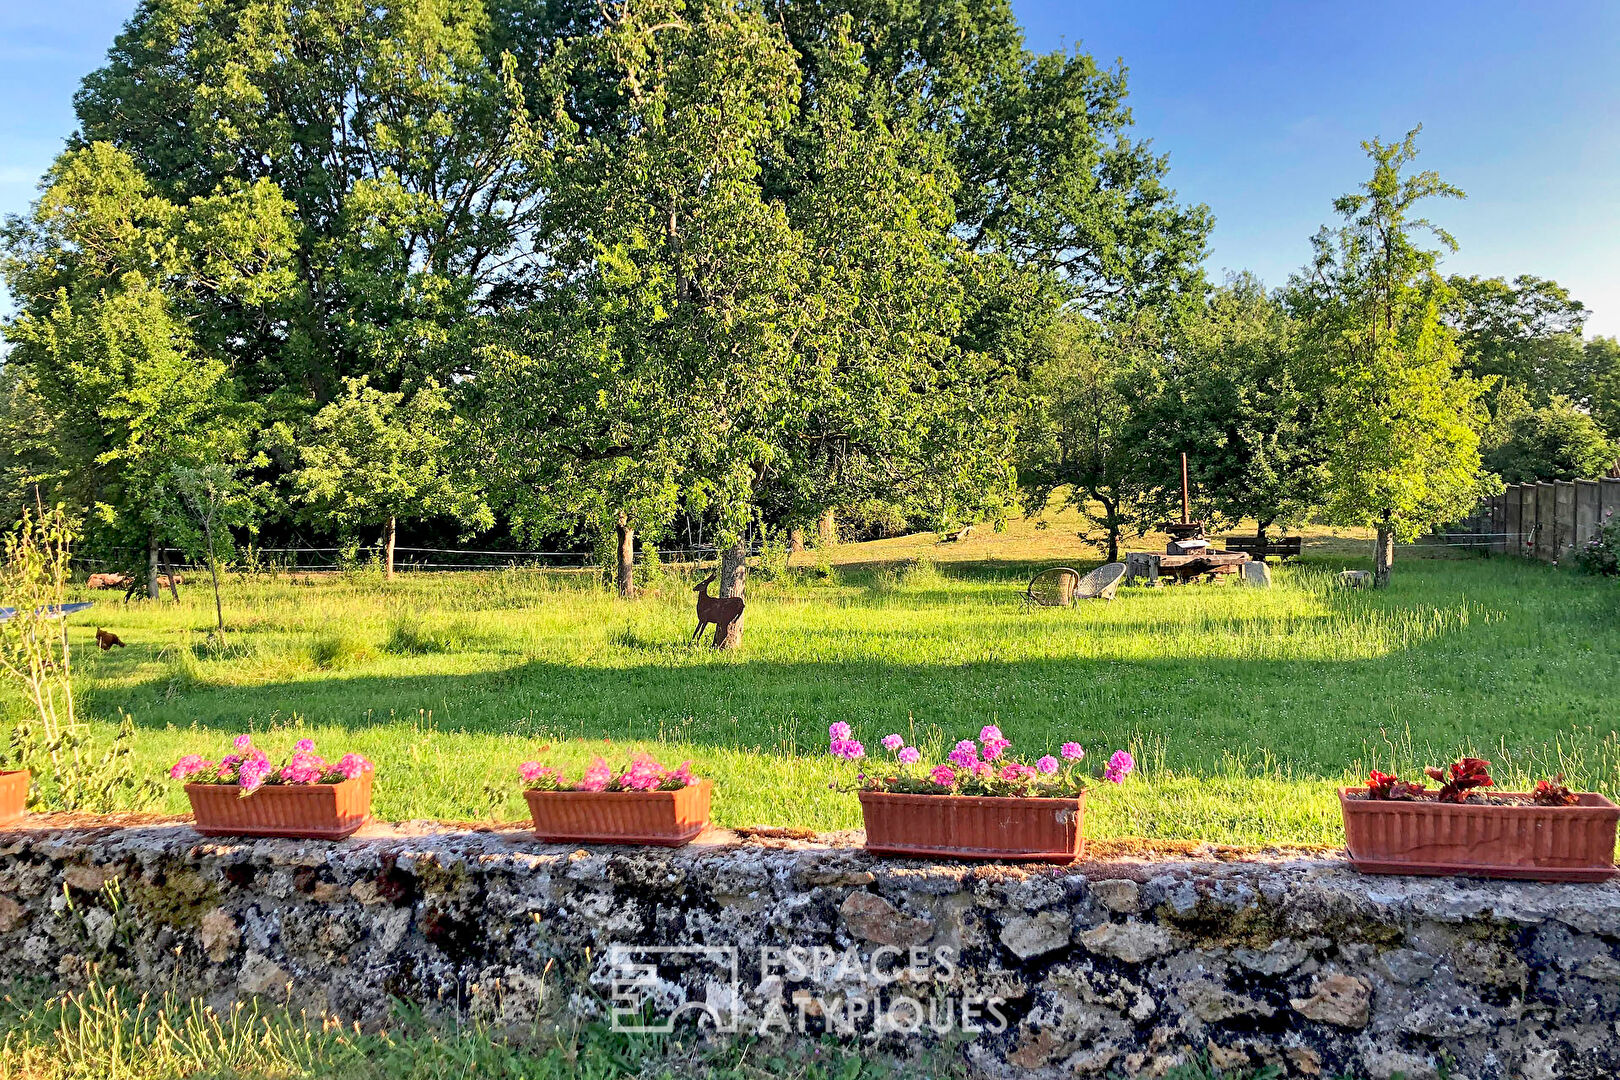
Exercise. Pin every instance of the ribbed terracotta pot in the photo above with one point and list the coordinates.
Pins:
(659, 818)
(975, 826)
(1520, 840)
(13, 795)
(305, 811)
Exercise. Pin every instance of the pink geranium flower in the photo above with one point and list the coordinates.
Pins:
(1119, 767)
(1047, 765)
(910, 755)
(837, 731)
(190, 765)
(597, 776)
(1072, 751)
(644, 774)
(891, 743)
(943, 775)
(965, 756)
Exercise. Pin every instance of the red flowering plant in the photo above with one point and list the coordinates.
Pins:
(643, 773)
(1386, 786)
(1461, 777)
(1458, 783)
(972, 768)
(1553, 793)
(250, 768)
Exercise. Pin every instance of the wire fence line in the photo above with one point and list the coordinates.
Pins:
(289, 559)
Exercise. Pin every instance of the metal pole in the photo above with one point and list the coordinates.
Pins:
(1186, 517)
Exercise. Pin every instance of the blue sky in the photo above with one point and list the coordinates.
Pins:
(1261, 107)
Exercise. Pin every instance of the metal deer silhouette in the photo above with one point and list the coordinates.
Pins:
(720, 611)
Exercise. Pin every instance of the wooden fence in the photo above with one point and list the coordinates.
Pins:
(1549, 520)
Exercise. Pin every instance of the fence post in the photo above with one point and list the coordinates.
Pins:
(1546, 521)
(1529, 502)
(1512, 535)
(1608, 500)
(1587, 495)
(1564, 509)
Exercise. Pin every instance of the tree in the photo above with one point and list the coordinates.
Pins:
(896, 405)
(1527, 333)
(204, 504)
(1556, 441)
(1077, 442)
(1049, 175)
(1600, 363)
(1402, 422)
(373, 457)
(104, 363)
(397, 133)
(1231, 392)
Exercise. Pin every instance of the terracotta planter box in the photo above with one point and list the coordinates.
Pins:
(975, 826)
(1525, 841)
(13, 795)
(306, 811)
(660, 818)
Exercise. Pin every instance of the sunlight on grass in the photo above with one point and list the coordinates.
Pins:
(1246, 706)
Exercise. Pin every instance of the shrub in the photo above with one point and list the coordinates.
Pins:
(1601, 555)
(773, 560)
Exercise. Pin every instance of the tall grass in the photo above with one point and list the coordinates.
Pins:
(107, 1033)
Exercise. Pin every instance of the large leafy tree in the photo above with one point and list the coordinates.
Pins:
(1049, 173)
(1526, 332)
(1401, 419)
(897, 403)
(665, 347)
(1231, 392)
(1600, 365)
(373, 456)
(116, 387)
(397, 133)
(1079, 441)
(1555, 441)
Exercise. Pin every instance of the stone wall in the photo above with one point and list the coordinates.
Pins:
(1126, 966)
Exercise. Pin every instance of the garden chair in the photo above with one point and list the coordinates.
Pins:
(1061, 586)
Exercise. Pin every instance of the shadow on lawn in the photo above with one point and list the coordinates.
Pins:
(1319, 714)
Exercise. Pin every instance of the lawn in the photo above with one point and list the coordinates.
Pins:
(1244, 706)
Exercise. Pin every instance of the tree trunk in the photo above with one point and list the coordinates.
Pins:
(1383, 555)
(733, 578)
(796, 542)
(827, 528)
(626, 575)
(1112, 520)
(170, 573)
(152, 566)
(390, 533)
(213, 572)
(1260, 529)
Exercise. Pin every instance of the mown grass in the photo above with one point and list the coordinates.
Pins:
(1245, 706)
